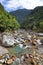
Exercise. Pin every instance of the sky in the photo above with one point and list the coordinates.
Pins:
(12, 5)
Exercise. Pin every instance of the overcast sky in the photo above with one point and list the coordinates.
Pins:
(11, 5)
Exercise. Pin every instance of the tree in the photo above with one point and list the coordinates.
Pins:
(7, 22)
(41, 26)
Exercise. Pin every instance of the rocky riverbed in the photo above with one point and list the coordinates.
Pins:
(21, 48)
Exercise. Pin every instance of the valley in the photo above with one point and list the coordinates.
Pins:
(21, 36)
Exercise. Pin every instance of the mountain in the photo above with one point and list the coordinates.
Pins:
(21, 14)
(34, 20)
(7, 22)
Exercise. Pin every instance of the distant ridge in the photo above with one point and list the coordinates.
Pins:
(21, 14)
(34, 19)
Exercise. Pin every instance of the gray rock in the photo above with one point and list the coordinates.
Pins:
(3, 51)
(38, 41)
(40, 34)
(2, 61)
(7, 39)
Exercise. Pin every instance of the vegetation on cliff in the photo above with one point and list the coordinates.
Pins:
(7, 22)
(35, 20)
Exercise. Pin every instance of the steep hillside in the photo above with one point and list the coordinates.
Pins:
(7, 22)
(34, 20)
(21, 14)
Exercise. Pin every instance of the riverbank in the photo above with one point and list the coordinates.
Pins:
(24, 45)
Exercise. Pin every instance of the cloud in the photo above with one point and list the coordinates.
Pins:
(15, 4)
(1, 0)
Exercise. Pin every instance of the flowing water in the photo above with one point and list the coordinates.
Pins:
(18, 50)
(14, 50)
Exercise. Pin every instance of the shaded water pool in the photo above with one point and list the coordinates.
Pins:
(17, 50)
(14, 50)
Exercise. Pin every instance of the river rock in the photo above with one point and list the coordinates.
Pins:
(29, 37)
(40, 34)
(39, 41)
(41, 56)
(10, 61)
(7, 39)
(3, 51)
(1, 64)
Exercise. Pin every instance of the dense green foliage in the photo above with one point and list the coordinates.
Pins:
(7, 22)
(35, 20)
(41, 25)
(21, 14)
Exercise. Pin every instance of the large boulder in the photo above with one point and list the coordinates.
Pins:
(7, 39)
